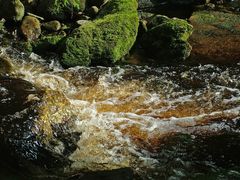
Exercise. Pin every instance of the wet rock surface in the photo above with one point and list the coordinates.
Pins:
(66, 127)
(216, 37)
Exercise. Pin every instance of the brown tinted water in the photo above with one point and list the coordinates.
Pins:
(144, 122)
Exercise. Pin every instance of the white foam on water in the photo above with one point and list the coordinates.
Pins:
(121, 112)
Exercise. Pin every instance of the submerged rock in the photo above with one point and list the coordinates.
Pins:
(105, 40)
(12, 10)
(59, 9)
(216, 37)
(166, 39)
(31, 28)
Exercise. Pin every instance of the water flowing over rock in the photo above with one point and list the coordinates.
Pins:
(80, 120)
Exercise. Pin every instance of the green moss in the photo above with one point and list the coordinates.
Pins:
(2, 27)
(105, 40)
(59, 9)
(221, 20)
(166, 39)
(119, 6)
(46, 44)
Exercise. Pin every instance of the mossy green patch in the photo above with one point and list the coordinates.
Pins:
(119, 6)
(2, 27)
(221, 20)
(59, 9)
(166, 39)
(105, 40)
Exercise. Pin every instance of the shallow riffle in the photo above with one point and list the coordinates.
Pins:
(164, 122)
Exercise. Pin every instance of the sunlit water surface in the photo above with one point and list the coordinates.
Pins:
(164, 123)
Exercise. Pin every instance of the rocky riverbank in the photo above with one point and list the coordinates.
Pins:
(122, 122)
(108, 32)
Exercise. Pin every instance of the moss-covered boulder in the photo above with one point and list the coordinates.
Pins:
(216, 37)
(104, 40)
(59, 9)
(166, 39)
(12, 10)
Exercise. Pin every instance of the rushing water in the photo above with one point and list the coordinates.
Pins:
(164, 123)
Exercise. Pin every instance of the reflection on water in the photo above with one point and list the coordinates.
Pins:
(167, 122)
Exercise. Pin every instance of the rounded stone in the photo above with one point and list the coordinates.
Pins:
(52, 25)
(31, 28)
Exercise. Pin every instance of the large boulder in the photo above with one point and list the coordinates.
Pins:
(59, 9)
(105, 40)
(12, 10)
(166, 39)
(216, 37)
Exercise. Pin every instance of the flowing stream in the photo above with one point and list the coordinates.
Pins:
(164, 123)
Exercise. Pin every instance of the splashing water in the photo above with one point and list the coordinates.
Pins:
(125, 113)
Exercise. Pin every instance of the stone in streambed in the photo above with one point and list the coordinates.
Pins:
(12, 10)
(166, 39)
(31, 28)
(52, 25)
(105, 40)
(216, 37)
